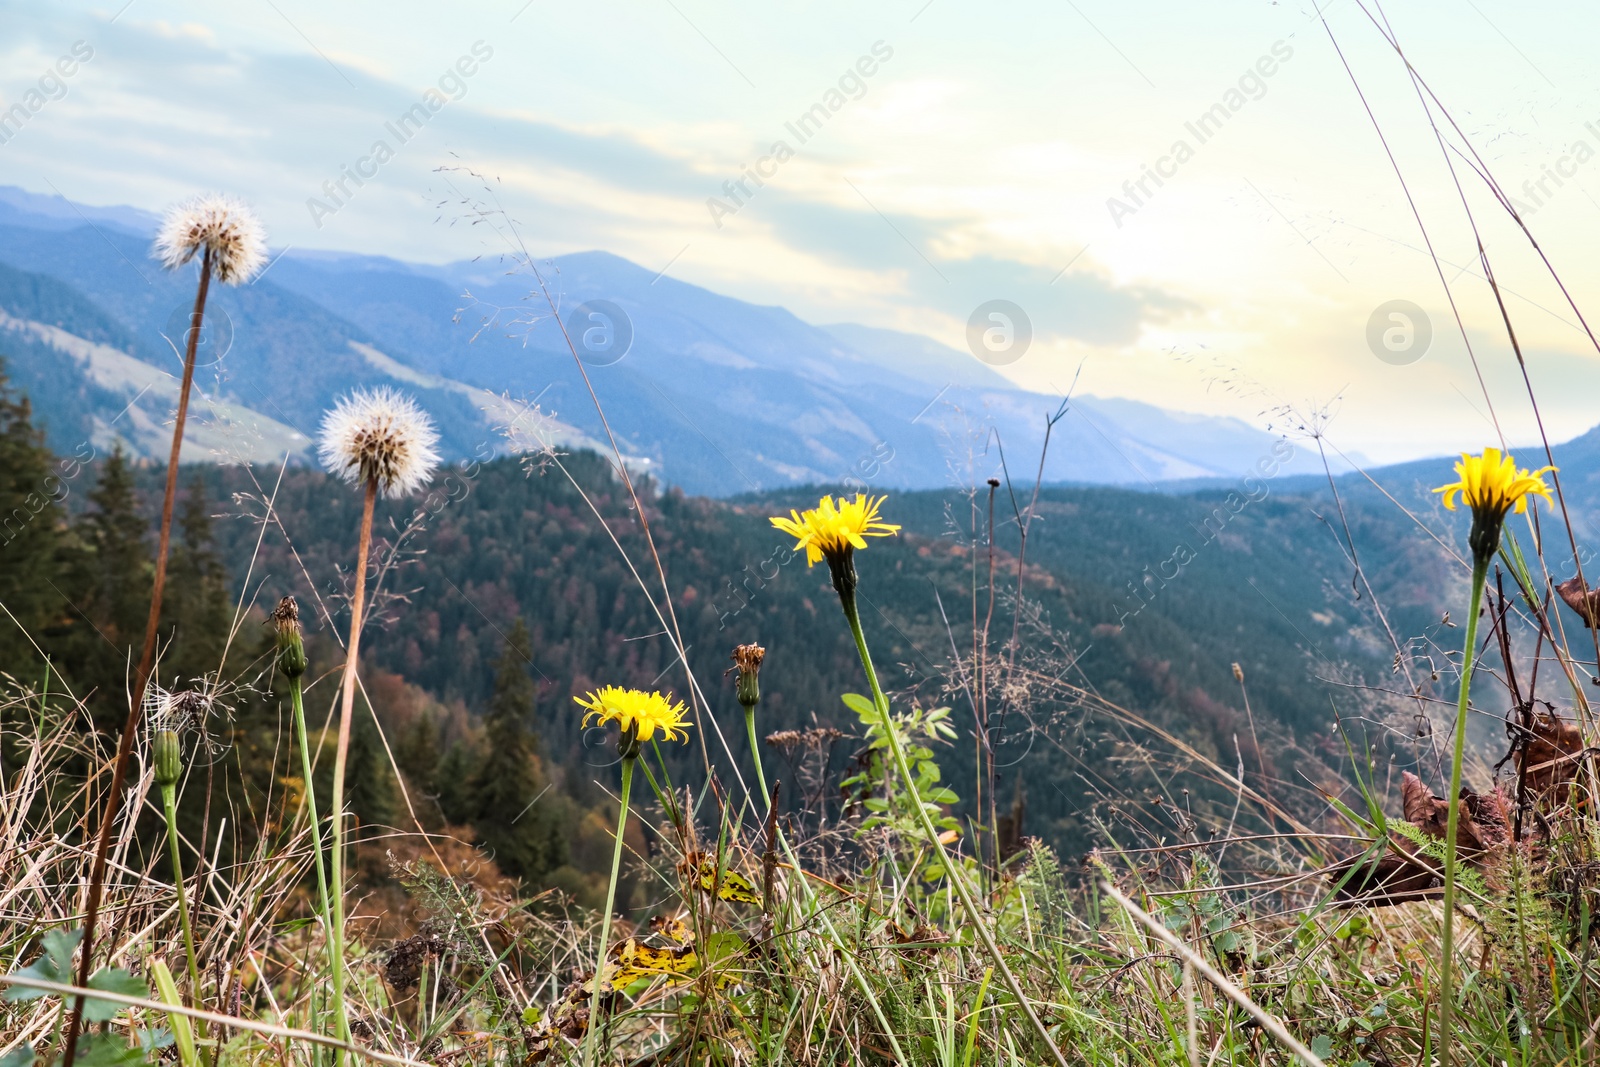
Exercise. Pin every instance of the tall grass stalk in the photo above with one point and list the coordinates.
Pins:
(1192, 959)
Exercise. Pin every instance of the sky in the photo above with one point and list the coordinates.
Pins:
(1194, 205)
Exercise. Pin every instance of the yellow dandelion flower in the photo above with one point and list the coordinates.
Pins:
(1492, 487)
(637, 711)
(831, 530)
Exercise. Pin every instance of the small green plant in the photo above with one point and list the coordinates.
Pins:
(893, 809)
(104, 1049)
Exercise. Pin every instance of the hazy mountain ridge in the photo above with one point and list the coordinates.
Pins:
(717, 395)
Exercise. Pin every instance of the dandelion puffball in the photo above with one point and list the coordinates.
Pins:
(383, 435)
(221, 225)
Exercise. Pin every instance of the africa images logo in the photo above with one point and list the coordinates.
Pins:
(1252, 85)
(804, 127)
(452, 85)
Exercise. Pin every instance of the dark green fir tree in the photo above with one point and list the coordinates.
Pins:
(197, 609)
(31, 538)
(509, 816)
(371, 792)
(111, 592)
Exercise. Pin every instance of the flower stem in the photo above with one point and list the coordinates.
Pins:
(119, 772)
(169, 804)
(755, 751)
(341, 759)
(847, 600)
(1480, 571)
(296, 698)
(605, 922)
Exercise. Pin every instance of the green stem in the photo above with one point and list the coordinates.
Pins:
(755, 752)
(605, 922)
(1480, 572)
(297, 700)
(169, 804)
(848, 601)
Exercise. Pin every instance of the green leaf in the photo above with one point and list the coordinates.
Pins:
(531, 1015)
(53, 965)
(111, 980)
(1322, 1045)
(860, 705)
(724, 946)
(108, 1050)
(182, 1032)
(153, 1039)
(19, 1057)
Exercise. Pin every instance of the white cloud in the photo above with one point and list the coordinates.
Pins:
(990, 148)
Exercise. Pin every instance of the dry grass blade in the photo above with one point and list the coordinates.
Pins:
(1269, 1022)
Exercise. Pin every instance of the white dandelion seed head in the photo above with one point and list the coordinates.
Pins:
(380, 434)
(180, 711)
(222, 225)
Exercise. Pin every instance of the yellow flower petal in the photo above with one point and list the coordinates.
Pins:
(1491, 485)
(831, 529)
(644, 712)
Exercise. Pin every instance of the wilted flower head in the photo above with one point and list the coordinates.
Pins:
(637, 712)
(170, 717)
(747, 683)
(221, 225)
(180, 711)
(291, 645)
(382, 435)
(1492, 486)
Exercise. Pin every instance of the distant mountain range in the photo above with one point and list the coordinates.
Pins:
(713, 394)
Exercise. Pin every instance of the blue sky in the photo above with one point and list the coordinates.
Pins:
(993, 151)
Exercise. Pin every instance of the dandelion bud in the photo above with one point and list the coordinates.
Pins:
(168, 753)
(291, 646)
(747, 684)
(628, 741)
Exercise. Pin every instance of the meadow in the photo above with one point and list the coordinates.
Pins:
(270, 797)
